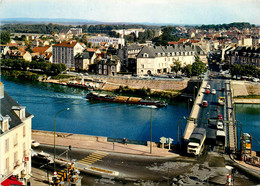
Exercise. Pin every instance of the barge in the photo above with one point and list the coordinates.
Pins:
(125, 99)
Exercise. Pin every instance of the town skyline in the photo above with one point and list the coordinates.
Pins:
(154, 12)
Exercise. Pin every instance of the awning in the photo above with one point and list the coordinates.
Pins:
(11, 181)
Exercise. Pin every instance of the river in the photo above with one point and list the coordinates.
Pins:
(113, 120)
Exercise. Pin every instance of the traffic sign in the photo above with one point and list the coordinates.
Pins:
(163, 139)
(55, 173)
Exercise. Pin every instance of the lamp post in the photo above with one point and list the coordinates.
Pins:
(194, 92)
(151, 132)
(189, 100)
(55, 134)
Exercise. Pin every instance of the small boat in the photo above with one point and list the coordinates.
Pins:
(124, 99)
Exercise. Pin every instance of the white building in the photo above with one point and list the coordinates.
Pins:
(129, 31)
(159, 59)
(15, 139)
(64, 52)
(97, 40)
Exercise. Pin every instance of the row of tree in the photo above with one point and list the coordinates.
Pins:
(244, 70)
(239, 25)
(196, 69)
(41, 67)
(167, 35)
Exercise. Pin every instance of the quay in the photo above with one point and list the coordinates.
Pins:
(99, 143)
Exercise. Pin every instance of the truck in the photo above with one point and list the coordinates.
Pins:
(196, 141)
(221, 100)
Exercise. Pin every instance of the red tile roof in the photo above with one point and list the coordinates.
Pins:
(12, 44)
(172, 43)
(40, 50)
(66, 44)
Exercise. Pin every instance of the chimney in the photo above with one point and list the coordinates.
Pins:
(1, 90)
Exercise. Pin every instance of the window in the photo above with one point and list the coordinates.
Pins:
(6, 125)
(15, 139)
(142, 66)
(6, 145)
(7, 165)
(24, 150)
(24, 131)
(15, 158)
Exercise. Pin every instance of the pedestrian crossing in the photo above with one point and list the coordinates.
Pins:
(93, 158)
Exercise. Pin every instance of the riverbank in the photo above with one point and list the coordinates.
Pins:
(246, 101)
(98, 143)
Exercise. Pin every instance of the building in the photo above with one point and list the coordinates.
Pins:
(64, 52)
(108, 66)
(97, 40)
(129, 31)
(159, 59)
(44, 53)
(244, 55)
(18, 54)
(15, 139)
(83, 60)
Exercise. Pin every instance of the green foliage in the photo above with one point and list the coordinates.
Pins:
(244, 70)
(146, 92)
(198, 67)
(187, 70)
(5, 37)
(176, 66)
(168, 35)
(226, 26)
(43, 67)
(24, 75)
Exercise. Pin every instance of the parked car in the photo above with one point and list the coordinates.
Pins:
(208, 86)
(35, 144)
(223, 89)
(43, 157)
(205, 103)
(213, 91)
(220, 117)
(207, 91)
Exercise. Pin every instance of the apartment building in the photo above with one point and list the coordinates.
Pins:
(64, 52)
(97, 40)
(159, 59)
(15, 139)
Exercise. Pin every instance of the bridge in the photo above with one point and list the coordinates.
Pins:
(199, 115)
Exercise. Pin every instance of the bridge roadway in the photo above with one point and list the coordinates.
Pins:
(202, 114)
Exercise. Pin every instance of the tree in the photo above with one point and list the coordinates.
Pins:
(176, 65)
(198, 67)
(187, 70)
(5, 37)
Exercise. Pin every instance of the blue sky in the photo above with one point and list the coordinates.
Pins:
(154, 11)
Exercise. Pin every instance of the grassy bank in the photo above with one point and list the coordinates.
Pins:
(248, 97)
(23, 75)
(147, 92)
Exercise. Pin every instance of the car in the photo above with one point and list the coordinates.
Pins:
(208, 86)
(43, 158)
(255, 79)
(223, 89)
(220, 117)
(35, 144)
(205, 103)
(213, 91)
(220, 125)
(85, 74)
(207, 91)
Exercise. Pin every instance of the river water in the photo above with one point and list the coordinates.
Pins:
(113, 120)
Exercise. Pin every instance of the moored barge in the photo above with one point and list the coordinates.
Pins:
(124, 99)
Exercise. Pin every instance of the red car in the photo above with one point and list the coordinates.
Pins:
(220, 117)
(207, 91)
(204, 103)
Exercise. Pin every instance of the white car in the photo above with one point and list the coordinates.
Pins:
(220, 125)
(255, 79)
(208, 86)
(35, 144)
(213, 91)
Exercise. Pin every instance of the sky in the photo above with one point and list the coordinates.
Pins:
(138, 11)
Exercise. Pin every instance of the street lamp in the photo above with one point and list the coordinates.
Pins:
(55, 134)
(189, 100)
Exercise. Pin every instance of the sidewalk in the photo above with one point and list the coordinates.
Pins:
(98, 143)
